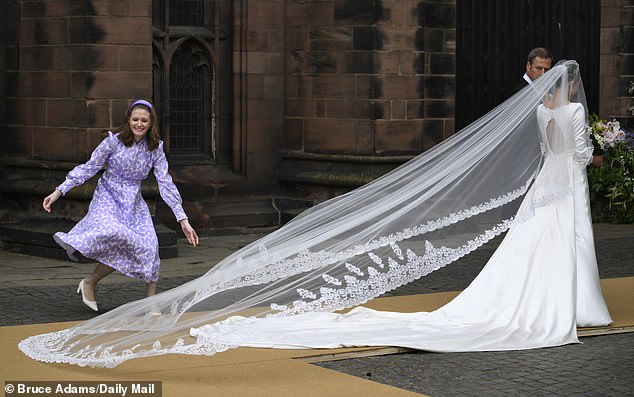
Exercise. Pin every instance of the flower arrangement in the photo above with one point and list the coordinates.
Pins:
(612, 184)
(605, 135)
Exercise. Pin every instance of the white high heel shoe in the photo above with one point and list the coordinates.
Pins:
(89, 303)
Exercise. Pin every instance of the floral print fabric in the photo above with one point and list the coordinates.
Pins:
(117, 230)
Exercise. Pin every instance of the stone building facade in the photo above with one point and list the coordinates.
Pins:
(297, 99)
(617, 60)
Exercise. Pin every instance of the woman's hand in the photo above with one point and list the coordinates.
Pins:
(189, 232)
(597, 160)
(50, 199)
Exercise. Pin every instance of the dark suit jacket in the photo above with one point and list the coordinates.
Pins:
(520, 84)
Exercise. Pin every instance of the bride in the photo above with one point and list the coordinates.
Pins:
(519, 169)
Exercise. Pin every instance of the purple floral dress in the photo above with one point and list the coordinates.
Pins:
(117, 230)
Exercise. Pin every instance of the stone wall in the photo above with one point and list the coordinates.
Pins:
(258, 75)
(364, 76)
(617, 60)
(75, 67)
(367, 83)
(325, 95)
(71, 69)
(8, 13)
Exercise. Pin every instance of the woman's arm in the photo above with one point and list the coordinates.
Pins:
(169, 193)
(83, 172)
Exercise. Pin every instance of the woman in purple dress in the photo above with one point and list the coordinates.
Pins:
(117, 231)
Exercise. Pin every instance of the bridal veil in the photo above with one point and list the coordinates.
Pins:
(422, 216)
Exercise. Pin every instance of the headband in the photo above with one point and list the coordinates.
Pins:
(140, 102)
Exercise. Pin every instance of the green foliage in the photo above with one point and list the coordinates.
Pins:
(612, 184)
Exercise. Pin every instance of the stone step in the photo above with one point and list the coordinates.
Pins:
(33, 234)
(251, 213)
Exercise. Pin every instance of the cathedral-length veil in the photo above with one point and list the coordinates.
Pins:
(491, 176)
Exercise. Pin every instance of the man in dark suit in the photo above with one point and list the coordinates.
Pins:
(538, 62)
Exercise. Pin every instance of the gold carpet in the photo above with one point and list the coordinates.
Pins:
(262, 372)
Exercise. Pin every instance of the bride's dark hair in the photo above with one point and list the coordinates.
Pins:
(567, 83)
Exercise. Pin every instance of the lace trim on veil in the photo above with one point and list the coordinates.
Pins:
(413, 266)
(48, 348)
(56, 347)
(306, 260)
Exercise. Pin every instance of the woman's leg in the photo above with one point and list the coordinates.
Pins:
(90, 282)
(151, 288)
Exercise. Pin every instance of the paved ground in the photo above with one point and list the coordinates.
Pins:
(38, 290)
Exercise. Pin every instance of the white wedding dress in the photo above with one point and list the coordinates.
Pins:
(539, 285)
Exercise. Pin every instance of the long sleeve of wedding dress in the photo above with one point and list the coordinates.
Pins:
(539, 284)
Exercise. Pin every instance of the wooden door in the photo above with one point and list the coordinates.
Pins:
(493, 38)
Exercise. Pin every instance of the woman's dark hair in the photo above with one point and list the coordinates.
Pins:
(153, 137)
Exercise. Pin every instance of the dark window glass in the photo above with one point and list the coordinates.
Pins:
(186, 12)
(183, 76)
(186, 103)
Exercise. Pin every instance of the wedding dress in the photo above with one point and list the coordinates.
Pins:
(525, 297)
(519, 169)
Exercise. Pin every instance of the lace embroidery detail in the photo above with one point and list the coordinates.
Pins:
(330, 279)
(376, 259)
(277, 307)
(306, 260)
(542, 202)
(306, 294)
(354, 269)
(50, 348)
(352, 289)
(397, 250)
(415, 266)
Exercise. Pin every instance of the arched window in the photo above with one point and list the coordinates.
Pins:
(189, 74)
(188, 39)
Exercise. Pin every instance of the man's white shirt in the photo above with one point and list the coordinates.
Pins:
(528, 79)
